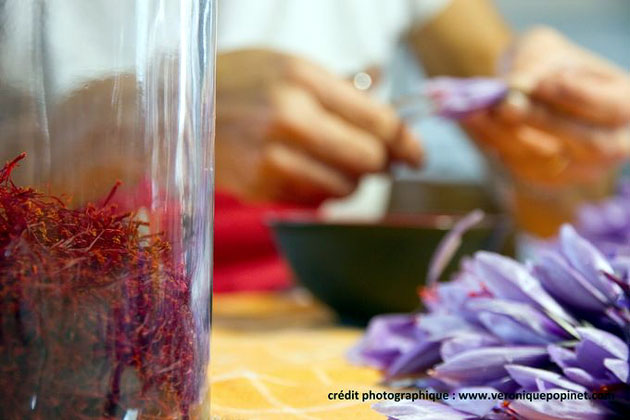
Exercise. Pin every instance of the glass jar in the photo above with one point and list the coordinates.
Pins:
(106, 125)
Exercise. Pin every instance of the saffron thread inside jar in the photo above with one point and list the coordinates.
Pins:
(95, 314)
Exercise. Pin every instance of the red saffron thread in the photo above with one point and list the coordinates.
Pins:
(95, 317)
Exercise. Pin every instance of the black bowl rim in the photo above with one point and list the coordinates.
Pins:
(435, 221)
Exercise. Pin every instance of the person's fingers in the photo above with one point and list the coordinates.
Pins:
(529, 153)
(537, 42)
(406, 147)
(516, 140)
(584, 142)
(301, 120)
(572, 80)
(535, 154)
(343, 99)
(290, 174)
(594, 95)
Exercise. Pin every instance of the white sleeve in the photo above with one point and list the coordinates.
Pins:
(425, 10)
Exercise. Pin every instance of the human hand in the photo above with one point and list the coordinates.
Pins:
(289, 130)
(572, 125)
(97, 120)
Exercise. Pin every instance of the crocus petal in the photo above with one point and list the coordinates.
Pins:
(582, 254)
(422, 356)
(608, 219)
(608, 342)
(612, 316)
(426, 351)
(559, 410)
(451, 296)
(621, 264)
(562, 357)
(387, 337)
(580, 376)
(597, 345)
(505, 384)
(531, 379)
(425, 382)
(586, 259)
(456, 98)
(567, 284)
(510, 280)
(480, 366)
(465, 342)
(448, 246)
(619, 368)
(510, 331)
(516, 322)
(420, 409)
(438, 326)
(607, 224)
(477, 406)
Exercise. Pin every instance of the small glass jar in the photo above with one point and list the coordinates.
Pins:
(106, 122)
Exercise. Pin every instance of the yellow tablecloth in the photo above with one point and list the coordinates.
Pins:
(278, 356)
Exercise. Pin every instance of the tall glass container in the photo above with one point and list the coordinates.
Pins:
(106, 125)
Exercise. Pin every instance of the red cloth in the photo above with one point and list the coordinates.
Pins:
(245, 256)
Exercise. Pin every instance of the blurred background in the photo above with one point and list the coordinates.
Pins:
(535, 181)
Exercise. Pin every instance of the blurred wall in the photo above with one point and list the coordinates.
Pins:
(601, 25)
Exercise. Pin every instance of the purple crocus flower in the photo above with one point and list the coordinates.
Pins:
(455, 98)
(559, 324)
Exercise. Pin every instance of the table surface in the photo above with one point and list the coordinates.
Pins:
(279, 355)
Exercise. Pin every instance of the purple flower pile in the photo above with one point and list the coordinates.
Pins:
(558, 325)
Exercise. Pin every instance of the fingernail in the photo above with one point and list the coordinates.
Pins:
(410, 148)
(517, 100)
(523, 82)
(514, 107)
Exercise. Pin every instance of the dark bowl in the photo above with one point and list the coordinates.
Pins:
(363, 269)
